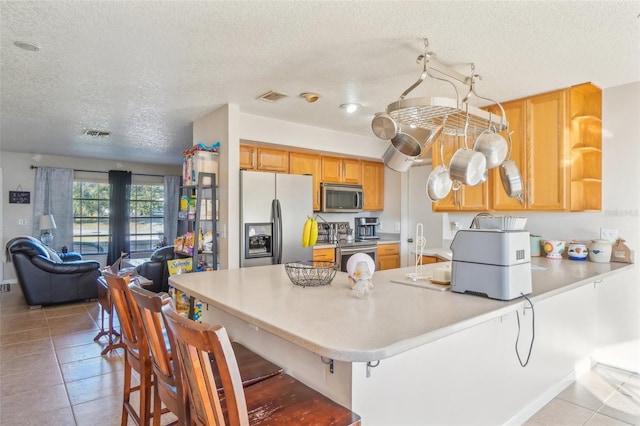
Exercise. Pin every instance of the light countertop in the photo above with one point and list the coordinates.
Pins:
(332, 322)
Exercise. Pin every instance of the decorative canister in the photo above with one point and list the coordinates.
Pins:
(600, 251)
(577, 251)
(554, 248)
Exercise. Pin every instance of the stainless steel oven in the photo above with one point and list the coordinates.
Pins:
(345, 250)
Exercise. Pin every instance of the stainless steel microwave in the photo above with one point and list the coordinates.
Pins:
(337, 198)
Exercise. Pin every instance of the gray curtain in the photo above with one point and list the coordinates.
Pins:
(119, 202)
(53, 194)
(171, 196)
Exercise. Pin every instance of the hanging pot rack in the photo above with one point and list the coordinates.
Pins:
(454, 116)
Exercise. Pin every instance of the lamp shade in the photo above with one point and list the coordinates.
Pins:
(47, 222)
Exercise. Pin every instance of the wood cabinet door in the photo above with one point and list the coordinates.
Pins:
(388, 262)
(308, 164)
(247, 157)
(331, 169)
(547, 171)
(373, 185)
(324, 254)
(273, 160)
(351, 171)
(516, 115)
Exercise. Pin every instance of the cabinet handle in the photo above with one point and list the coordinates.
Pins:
(259, 160)
(253, 154)
(318, 197)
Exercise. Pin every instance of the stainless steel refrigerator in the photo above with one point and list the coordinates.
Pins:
(273, 209)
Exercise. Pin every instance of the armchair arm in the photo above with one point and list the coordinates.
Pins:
(65, 268)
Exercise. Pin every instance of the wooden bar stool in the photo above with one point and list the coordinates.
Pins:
(137, 356)
(104, 299)
(253, 368)
(280, 400)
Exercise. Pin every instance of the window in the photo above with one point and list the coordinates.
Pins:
(146, 217)
(91, 217)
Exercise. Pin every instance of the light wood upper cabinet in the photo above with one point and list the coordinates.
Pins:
(467, 198)
(515, 112)
(264, 159)
(308, 164)
(373, 185)
(341, 170)
(547, 150)
(539, 148)
(247, 157)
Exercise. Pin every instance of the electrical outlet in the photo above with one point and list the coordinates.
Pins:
(609, 234)
(22, 221)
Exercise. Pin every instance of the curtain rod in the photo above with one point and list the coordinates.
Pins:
(100, 171)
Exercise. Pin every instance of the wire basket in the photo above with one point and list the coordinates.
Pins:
(311, 273)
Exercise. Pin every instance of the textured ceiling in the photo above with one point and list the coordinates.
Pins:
(146, 70)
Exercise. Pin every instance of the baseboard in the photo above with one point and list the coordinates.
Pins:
(10, 281)
(580, 368)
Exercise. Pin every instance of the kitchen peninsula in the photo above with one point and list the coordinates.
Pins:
(410, 355)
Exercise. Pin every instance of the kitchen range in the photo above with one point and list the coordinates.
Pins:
(340, 233)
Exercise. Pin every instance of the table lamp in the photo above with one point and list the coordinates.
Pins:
(47, 223)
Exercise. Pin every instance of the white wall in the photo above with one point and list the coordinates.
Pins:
(16, 172)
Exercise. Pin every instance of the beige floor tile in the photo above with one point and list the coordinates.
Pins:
(559, 412)
(602, 420)
(71, 322)
(91, 367)
(20, 313)
(12, 325)
(24, 336)
(81, 352)
(57, 417)
(37, 401)
(31, 362)
(96, 387)
(64, 310)
(74, 339)
(17, 350)
(624, 405)
(24, 382)
(594, 387)
(104, 412)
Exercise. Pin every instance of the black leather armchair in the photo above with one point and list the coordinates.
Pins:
(157, 270)
(45, 279)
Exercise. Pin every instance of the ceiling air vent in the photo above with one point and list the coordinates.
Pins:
(96, 133)
(272, 96)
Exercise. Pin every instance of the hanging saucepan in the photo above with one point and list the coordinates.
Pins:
(510, 176)
(405, 147)
(493, 146)
(384, 126)
(439, 182)
(467, 166)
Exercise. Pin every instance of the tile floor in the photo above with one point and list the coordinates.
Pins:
(51, 373)
(51, 370)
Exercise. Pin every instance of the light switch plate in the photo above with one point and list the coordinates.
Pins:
(609, 234)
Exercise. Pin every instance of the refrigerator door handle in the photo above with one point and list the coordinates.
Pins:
(279, 217)
(276, 231)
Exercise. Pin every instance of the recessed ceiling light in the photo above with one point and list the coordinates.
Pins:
(26, 46)
(350, 107)
(310, 96)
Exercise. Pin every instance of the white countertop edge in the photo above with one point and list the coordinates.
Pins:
(359, 355)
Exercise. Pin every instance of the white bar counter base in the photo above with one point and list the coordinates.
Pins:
(444, 358)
